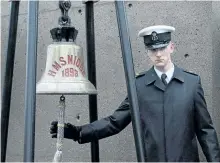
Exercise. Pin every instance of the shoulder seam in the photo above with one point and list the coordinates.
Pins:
(191, 72)
(139, 74)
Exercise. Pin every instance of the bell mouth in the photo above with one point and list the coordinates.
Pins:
(76, 88)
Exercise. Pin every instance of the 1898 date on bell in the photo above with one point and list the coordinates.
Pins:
(70, 72)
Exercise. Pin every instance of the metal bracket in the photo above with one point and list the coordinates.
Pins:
(64, 19)
(85, 1)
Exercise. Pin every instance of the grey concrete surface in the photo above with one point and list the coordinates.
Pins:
(197, 34)
(216, 63)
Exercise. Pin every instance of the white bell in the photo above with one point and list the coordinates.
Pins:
(65, 72)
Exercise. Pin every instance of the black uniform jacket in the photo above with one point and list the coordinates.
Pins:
(171, 118)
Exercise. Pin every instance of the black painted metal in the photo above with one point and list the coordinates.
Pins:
(30, 85)
(130, 78)
(91, 65)
(8, 77)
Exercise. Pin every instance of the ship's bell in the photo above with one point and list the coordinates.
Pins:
(65, 72)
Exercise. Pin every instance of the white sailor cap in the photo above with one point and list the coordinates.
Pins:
(156, 36)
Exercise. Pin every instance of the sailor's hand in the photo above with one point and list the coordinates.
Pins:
(70, 131)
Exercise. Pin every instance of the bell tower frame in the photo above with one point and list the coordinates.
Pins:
(30, 87)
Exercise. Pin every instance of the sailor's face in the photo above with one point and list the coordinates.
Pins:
(161, 57)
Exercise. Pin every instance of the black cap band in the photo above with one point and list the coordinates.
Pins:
(157, 38)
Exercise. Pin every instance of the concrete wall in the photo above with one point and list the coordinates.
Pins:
(216, 63)
(197, 34)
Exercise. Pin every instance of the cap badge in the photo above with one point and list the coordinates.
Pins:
(154, 36)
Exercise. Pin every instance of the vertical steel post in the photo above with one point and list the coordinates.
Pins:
(8, 76)
(91, 66)
(130, 78)
(30, 86)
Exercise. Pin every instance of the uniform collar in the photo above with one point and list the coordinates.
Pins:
(151, 76)
(169, 73)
